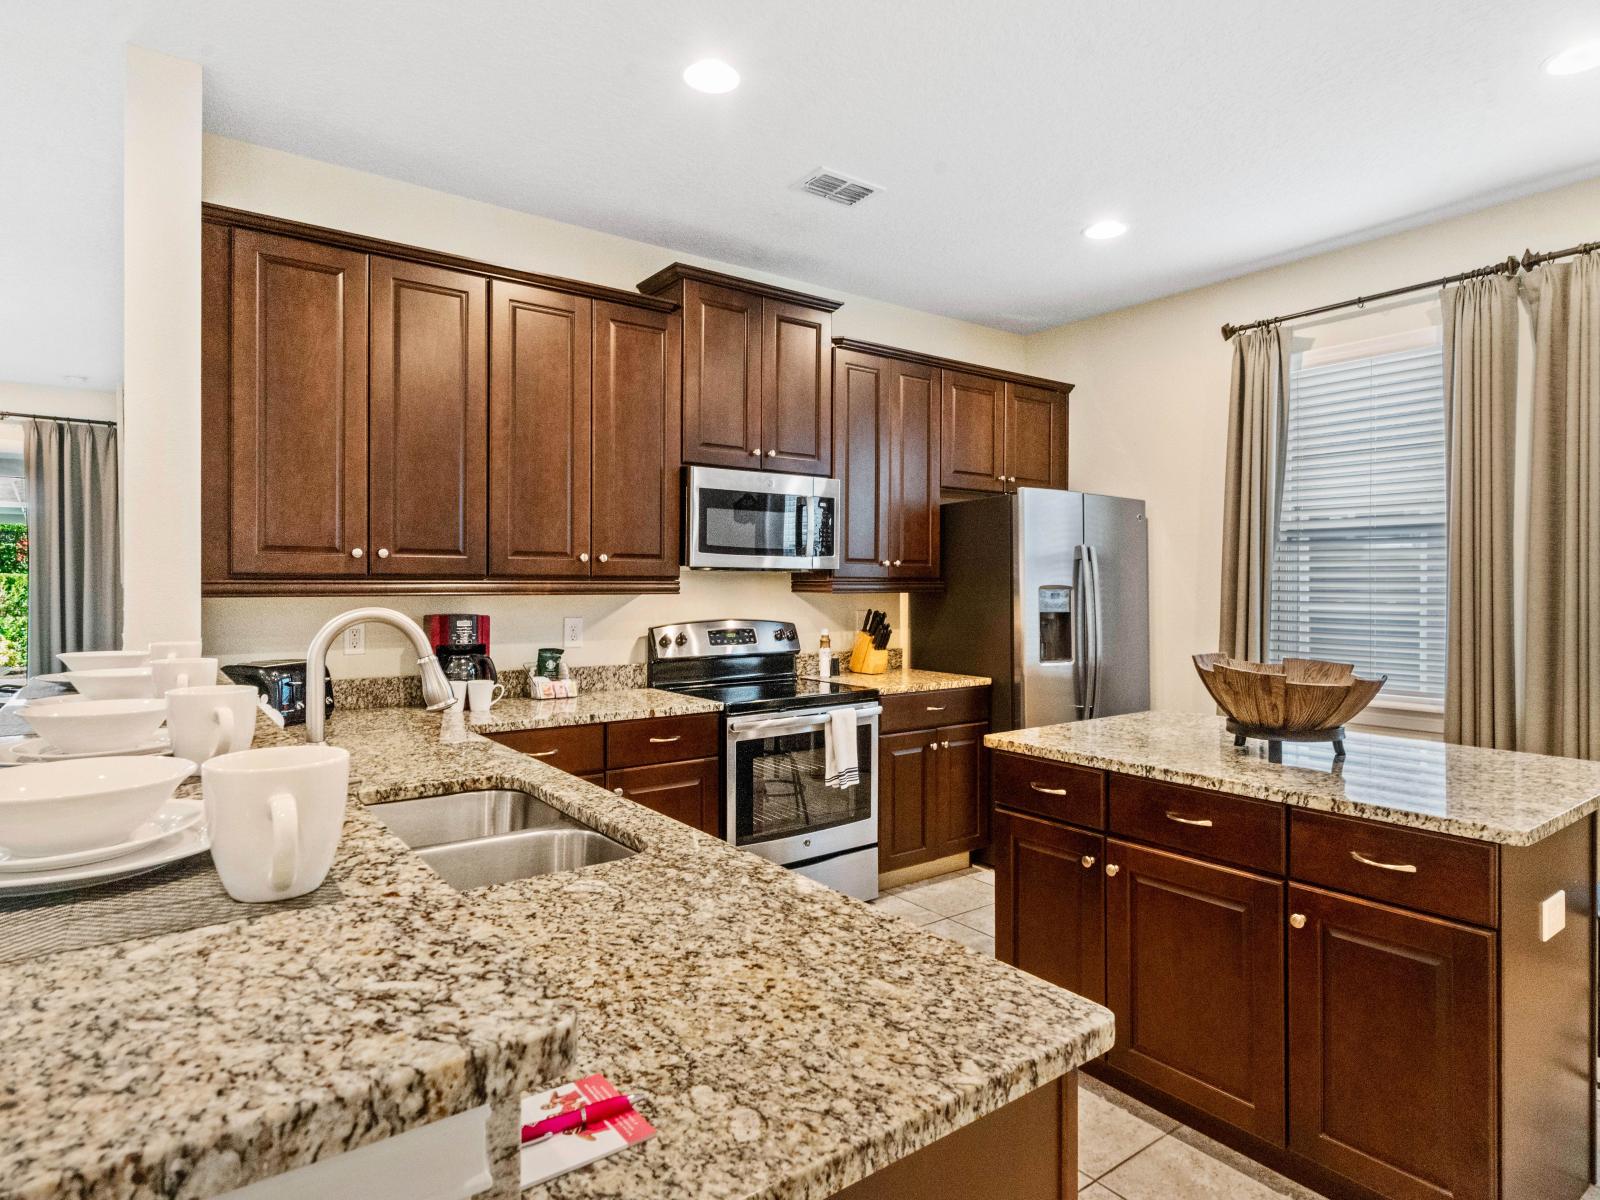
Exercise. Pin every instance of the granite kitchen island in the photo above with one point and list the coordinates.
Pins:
(1375, 976)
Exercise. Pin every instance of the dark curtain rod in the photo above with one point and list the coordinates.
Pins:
(1510, 266)
(69, 420)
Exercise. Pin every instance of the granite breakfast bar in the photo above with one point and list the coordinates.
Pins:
(1376, 976)
(791, 1042)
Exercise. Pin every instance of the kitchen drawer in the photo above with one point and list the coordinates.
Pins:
(578, 749)
(1049, 789)
(925, 710)
(661, 739)
(1429, 872)
(1229, 829)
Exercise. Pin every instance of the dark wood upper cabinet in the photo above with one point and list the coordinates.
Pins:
(1036, 437)
(427, 420)
(757, 383)
(1392, 1013)
(539, 439)
(973, 437)
(1050, 896)
(1194, 974)
(862, 387)
(796, 389)
(635, 435)
(297, 429)
(912, 454)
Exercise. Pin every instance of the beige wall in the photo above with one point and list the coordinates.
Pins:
(1149, 412)
(81, 404)
(268, 181)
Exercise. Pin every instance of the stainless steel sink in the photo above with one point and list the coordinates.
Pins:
(474, 839)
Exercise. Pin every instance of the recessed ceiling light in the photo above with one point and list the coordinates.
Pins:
(711, 75)
(1101, 230)
(1585, 56)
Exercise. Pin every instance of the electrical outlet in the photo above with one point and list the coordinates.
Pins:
(355, 639)
(572, 631)
(1552, 915)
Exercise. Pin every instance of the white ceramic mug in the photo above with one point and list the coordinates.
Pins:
(169, 673)
(458, 689)
(160, 650)
(212, 720)
(275, 815)
(484, 694)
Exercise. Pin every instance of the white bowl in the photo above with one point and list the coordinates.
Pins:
(103, 660)
(117, 683)
(59, 807)
(89, 725)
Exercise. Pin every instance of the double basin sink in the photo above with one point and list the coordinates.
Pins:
(475, 839)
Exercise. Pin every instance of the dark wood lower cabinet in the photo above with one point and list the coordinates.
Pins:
(1391, 1036)
(1194, 972)
(931, 794)
(686, 791)
(1050, 899)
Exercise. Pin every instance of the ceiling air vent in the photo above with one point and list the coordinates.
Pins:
(841, 189)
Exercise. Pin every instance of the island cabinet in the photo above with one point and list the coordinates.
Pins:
(378, 418)
(757, 390)
(931, 782)
(1368, 1008)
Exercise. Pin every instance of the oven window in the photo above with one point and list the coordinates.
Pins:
(780, 788)
(753, 524)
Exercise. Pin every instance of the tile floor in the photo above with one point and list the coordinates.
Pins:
(1126, 1151)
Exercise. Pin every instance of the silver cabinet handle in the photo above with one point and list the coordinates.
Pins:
(772, 454)
(659, 741)
(605, 558)
(1039, 787)
(543, 753)
(1298, 920)
(1403, 868)
(355, 552)
(1112, 868)
(583, 556)
(1202, 822)
(935, 708)
(382, 553)
(756, 453)
(1087, 860)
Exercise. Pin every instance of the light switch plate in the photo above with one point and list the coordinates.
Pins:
(355, 639)
(1552, 915)
(572, 631)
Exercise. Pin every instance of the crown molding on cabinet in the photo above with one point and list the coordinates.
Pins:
(678, 272)
(950, 364)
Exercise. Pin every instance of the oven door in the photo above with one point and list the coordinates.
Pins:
(777, 804)
(757, 520)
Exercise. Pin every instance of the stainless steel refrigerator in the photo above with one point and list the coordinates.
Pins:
(1047, 593)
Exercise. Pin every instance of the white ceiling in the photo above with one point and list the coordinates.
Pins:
(1229, 135)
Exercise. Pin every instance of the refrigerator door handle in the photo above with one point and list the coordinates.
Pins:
(1096, 631)
(1080, 630)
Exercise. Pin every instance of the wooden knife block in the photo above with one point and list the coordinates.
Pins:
(864, 660)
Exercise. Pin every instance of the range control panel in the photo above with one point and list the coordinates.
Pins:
(703, 639)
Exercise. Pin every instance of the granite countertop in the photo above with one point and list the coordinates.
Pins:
(1487, 795)
(790, 1040)
(588, 708)
(899, 680)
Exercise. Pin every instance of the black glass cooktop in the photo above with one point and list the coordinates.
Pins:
(774, 694)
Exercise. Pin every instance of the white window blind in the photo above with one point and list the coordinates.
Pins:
(1359, 562)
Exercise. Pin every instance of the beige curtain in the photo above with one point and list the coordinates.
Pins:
(1480, 363)
(1563, 620)
(1256, 408)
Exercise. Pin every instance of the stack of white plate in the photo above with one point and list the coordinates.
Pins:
(71, 727)
(91, 820)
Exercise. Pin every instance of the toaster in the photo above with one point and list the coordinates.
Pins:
(283, 683)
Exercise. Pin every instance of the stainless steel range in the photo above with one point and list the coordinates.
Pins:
(774, 728)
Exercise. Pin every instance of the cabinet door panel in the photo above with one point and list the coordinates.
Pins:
(635, 435)
(686, 791)
(862, 384)
(796, 389)
(907, 767)
(972, 437)
(1392, 1013)
(539, 443)
(428, 420)
(960, 817)
(1036, 437)
(1050, 902)
(1194, 971)
(914, 472)
(298, 408)
(721, 376)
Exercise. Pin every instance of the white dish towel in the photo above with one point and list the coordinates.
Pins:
(839, 768)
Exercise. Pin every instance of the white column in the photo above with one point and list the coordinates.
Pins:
(160, 349)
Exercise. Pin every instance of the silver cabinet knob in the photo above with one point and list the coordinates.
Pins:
(772, 454)
(619, 791)
(933, 745)
(584, 556)
(1298, 920)
(884, 563)
(756, 453)
(1001, 478)
(897, 562)
(943, 745)
(605, 558)
(1011, 478)
(1087, 860)
(1112, 868)
(382, 553)
(355, 552)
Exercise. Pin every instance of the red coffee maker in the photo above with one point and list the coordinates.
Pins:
(461, 642)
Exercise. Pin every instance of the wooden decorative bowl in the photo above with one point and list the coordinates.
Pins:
(1297, 700)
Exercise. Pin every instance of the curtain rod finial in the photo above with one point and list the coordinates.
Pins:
(1228, 331)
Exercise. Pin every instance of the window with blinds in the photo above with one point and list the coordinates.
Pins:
(1358, 571)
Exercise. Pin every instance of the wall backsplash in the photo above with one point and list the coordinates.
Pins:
(238, 629)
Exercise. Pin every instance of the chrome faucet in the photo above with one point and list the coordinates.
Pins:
(436, 694)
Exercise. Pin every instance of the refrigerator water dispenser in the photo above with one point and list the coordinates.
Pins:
(1055, 623)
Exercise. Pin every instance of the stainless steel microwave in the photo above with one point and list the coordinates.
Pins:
(759, 520)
